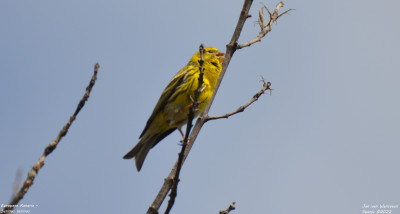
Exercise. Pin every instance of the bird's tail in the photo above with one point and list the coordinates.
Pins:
(140, 151)
(143, 147)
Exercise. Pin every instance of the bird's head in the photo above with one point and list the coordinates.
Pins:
(211, 55)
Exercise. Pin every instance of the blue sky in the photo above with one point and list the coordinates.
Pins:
(326, 139)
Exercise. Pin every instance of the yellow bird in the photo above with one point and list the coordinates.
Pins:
(172, 109)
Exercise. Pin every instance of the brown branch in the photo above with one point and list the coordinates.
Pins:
(193, 108)
(50, 148)
(265, 28)
(230, 50)
(230, 208)
(266, 86)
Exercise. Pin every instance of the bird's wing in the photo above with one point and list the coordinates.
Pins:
(166, 95)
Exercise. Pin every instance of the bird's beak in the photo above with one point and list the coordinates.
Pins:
(220, 56)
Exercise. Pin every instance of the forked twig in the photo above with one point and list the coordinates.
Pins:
(266, 86)
(230, 208)
(265, 28)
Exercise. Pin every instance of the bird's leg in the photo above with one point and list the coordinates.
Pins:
(180, 131)
(190, 105)
(183, 137)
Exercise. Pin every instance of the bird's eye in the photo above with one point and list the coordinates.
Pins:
(210, 51)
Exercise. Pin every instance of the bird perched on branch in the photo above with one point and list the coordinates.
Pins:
(172, 109)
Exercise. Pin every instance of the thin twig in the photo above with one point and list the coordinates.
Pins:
(50, 148)
(265, 28)
(266, 86)
(230, 208)
(193, 108)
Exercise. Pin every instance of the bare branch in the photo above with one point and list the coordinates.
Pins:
(265, 28)
(266, 86)
(230, 208)
(50, 148)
